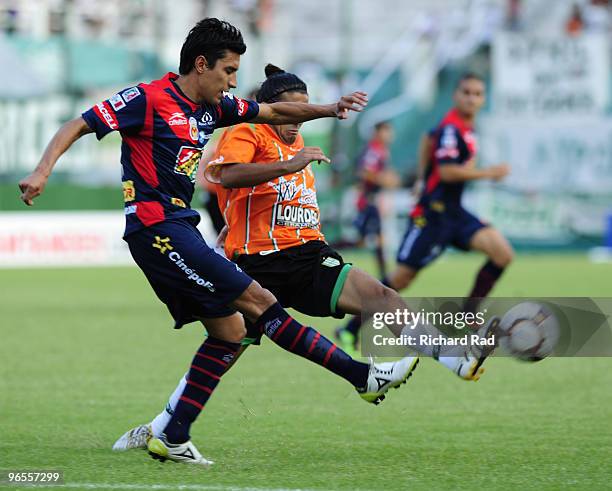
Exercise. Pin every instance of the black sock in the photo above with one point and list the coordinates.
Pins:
(306, 342)
(209, 363)
(485, 280)
(380, 259)
(353, 325)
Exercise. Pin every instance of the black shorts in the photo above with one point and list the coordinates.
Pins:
(308, 278)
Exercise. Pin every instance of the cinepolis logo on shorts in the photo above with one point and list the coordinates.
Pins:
(176, 258)
(164, 245)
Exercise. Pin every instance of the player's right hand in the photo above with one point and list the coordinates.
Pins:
(499, 171)
(32, 186)
(305, 156)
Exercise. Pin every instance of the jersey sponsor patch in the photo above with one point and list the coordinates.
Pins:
(117, 102)
(449, 146)
(177, 119)
(130, 94)
(242, 106)
(129, 191)
(108, 117)
(296, 216)
(187, 162)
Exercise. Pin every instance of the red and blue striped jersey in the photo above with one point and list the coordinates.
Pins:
(163, 134)
(454, 142)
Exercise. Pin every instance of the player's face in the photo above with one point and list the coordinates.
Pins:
(386, 135)
(220, 78)
(289, 132)
(470, 96)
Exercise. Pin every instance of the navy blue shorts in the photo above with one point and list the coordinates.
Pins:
(187, 275)
(367, 221)
(427, 236)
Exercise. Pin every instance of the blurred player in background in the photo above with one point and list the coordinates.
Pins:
(375, 174)
(267, 194)
(164, 127)
(439, 219)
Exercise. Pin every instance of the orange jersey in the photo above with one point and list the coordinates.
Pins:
(271, 216)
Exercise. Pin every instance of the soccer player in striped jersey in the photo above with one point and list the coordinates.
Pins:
(268, 197)
(439, 219)
(164, 127)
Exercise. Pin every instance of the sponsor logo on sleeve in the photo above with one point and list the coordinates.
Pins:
(129, 191)
(448, 145)
(177, 119)
(242, 106)
(108, 117)
(117, 102)
(130, 93)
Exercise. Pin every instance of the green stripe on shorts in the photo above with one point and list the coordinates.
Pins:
(338, 287)
(247, 341)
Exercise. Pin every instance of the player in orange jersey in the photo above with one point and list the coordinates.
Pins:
(266, 191)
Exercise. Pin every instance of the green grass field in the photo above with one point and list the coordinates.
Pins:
(88, 353)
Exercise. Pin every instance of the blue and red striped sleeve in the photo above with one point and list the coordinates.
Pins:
(448, 145)
(233, 110)
(125, 111)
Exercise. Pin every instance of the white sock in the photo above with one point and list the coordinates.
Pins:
(160, 421)
(449, 362)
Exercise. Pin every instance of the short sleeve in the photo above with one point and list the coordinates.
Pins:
(372, 160)
(124, 111)
(448, 145)
(233, 110)
(237, 145)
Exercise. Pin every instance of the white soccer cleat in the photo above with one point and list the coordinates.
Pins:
(187, 453)
(469, 367)
(384, 376)
(135, 438)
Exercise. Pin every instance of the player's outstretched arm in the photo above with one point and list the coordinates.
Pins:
(459, 173)
(242, 175)
(34, 184)
(298, 112)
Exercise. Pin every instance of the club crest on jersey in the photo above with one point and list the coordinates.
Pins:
(287, 190)
(187, 162)
(177, 119)
(193, 129)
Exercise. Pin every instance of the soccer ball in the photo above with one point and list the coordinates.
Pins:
(529, 331)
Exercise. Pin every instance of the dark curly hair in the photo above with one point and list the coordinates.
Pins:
(279, 81)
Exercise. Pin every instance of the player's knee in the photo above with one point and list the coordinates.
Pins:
(254, 301)
(236, 333)
(504, 257)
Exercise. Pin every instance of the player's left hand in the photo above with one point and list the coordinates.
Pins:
(352, 102)
(31, 187)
